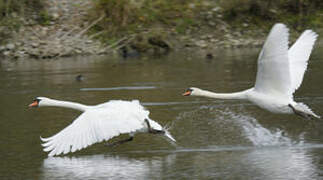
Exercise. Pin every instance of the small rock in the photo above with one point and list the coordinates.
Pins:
(21, 52)
(34, 44)
(202, 13)
(211, 23)
(42, 43)
(55, 16)
(18, 44)
(213, 40)
(216, 9)
(6, 53)
(191, 5)
(10, 46)
(255, 43)
(201, 43)
(245, 24)
(77, 51)
(237, 34)
(2, 48)
(14, 15)
(204, 37)
(219, 16)
(33, 53)
(102, 51)
(209, 16)
(274, 11)
(228, 36)
(33, 38)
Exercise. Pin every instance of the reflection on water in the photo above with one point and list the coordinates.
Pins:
(263, 163)
(98, 167)
(281, 163)
(216, 139)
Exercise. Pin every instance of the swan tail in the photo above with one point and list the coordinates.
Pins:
(169, 136)
(156, 128)
(303, 110)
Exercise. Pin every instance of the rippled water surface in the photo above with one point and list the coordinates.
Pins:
(216, 139)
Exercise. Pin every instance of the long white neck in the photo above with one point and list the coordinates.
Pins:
(66, 104)
(235, 95)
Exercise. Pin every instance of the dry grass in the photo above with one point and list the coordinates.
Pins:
(296, 13)
(124, 16)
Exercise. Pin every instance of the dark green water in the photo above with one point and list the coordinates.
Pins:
(216, 139)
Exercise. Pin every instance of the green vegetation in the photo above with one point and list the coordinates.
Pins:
(13, 11)
(296, 13)
(44, 18)
(20, 7)
(150, 23)
(126, 16)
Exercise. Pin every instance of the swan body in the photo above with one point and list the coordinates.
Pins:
(280, 72)
(98, 123)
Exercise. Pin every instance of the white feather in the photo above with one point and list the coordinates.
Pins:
(99, 123)
(298, 56)
(273, 75)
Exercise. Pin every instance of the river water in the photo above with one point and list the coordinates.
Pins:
(216, 139)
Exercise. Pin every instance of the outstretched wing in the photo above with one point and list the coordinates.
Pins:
(298, 56)
(273, 74)
(94, 126)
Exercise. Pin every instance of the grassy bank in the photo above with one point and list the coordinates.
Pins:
(145, 26)
(123, 16)
(295, 13)
(14, 12)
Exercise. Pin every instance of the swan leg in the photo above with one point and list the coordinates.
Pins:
(119, 142)
(300, 113)
(152, 130)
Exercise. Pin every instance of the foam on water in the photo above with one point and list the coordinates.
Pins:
(256, 133)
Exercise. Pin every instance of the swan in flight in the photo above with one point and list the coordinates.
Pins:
(280, 73)
(98, 123)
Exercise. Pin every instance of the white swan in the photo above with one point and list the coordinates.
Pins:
(280, 73)
(98, 123)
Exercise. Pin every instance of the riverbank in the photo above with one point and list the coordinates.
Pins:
(74, 28)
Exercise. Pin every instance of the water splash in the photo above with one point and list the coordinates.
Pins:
(256, 133)
(227, 126)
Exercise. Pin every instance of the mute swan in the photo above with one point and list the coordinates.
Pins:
(280, 73)
(98, 123)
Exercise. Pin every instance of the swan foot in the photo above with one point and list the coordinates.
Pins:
(119, 142)
(153, 131)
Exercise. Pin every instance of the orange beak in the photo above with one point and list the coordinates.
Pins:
(34, 104)
(187, 93)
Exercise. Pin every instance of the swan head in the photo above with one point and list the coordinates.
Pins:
(192, 91)
(39, 101)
